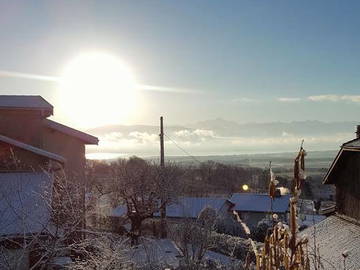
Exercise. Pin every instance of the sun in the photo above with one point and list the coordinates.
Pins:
(97, 89)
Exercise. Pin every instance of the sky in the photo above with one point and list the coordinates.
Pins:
(243, 61)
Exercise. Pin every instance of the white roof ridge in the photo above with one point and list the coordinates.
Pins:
(33, 149)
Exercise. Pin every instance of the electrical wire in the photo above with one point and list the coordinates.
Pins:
(182, 149)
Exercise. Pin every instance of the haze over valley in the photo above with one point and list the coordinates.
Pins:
(221, 137)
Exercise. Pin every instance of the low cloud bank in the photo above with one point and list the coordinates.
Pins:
(212, 142)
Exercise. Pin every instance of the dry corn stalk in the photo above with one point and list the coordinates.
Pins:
(278, 252)
(281, 247)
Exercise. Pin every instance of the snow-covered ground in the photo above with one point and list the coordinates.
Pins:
(166, 253)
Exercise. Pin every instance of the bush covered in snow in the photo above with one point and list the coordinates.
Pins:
(230, 226)
(231, 246)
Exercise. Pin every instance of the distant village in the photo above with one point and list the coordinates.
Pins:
(61, 211)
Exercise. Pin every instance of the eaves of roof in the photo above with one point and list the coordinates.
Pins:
(86, 138)
(32, 149)
(343, 150)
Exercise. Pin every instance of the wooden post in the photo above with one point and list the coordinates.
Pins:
(163, 233)
(162, 162)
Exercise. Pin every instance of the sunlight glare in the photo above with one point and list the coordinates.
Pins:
(98, 89)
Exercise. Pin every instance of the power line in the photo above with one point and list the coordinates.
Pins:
(182, 149)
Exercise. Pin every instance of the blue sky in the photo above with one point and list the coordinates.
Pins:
(253, 61)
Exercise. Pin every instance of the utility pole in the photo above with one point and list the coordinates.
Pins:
(162, 162)
(162, 165)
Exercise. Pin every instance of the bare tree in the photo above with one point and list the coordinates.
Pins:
(144, 188)
(194, 237)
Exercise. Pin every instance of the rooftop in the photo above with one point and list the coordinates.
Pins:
(87, 138)
(185, 207)
(334, 235)
(192, 206)
(32, 149)
(353, 143)
(16, 102)
(346, 158)
(256, 202)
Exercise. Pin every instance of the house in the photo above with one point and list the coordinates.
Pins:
(23, 121)
(191, 207)
(18, 156)
(32, 149)
(186, 207)
(25, 214)
(307, 216)
(255, 207)
(339, 233)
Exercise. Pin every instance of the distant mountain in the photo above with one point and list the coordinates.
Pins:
(130, 128)
(216, 124)
(299, 128)
(226, 128)
(222, 137)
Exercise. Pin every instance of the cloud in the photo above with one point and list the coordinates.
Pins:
(289, 139)
(285, 134)
(144, 137)
(197, 132)
(39, 77)
(204, 133)
(12, 74)
(194, 136)
(245, 100)
(168, 89)
(288, 99)
(113, 136)
(133, 139)
(207, 142)
(335, 98)
(325, 98)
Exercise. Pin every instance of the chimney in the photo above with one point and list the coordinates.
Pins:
(357, 131)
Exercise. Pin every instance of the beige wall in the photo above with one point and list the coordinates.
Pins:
(23, 126)
(72, 149)
(28, 160)
(28, 127)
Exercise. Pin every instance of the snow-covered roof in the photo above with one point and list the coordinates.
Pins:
(87, 138)
(24, 200)
(185, 207)
(119, 211)
(31, 148)
(334, 235)
(25, 103)
(256, 202)
(192, 206)
(352, 143)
